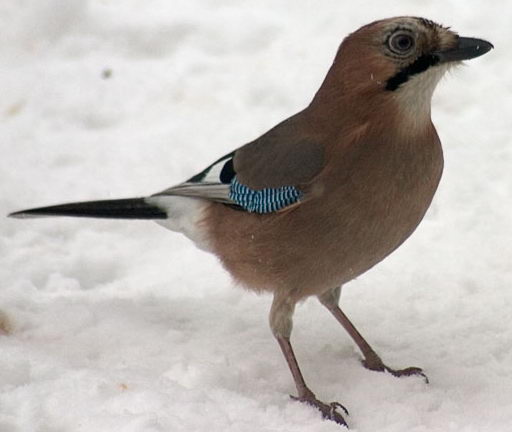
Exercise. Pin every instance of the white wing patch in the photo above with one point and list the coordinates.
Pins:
(213, 174)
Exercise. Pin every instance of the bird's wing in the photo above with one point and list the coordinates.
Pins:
(264, 176)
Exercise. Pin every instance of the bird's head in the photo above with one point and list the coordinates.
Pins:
(397, 60)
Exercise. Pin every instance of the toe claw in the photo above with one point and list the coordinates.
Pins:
(410, 371)
(336, 405)
(329, 411)
(375, 364)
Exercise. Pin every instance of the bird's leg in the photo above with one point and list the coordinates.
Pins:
(281, 325)
(329, 411)
(371, 359)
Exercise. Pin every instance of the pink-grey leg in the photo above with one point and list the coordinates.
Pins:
(371, 359)
(281, 325)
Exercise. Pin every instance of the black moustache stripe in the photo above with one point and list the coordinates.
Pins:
(421, 64)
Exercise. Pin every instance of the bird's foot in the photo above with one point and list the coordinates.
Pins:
(374, 363)
(329, 411)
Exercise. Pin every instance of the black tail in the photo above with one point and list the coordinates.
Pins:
(133, 208)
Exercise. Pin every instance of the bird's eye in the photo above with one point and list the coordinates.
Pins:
(401, 43)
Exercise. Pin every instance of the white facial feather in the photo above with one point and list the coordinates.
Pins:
(414, 97)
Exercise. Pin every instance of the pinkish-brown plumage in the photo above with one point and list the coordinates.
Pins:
(364, 160)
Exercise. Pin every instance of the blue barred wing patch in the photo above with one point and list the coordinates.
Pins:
(266, 200)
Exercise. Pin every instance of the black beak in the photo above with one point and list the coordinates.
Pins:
(467, 48)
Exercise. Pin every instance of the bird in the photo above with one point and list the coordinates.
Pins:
(326, 194)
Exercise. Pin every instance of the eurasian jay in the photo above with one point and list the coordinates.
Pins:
(329, 192)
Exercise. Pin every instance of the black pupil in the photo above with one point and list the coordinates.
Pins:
(403, 42)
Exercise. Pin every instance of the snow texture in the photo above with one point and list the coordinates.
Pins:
(122, 326)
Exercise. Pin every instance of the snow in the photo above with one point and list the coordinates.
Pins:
(122, 326)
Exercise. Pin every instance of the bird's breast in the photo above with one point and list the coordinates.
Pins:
(377, 204)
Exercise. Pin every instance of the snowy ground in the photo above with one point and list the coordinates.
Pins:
(122, 326)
